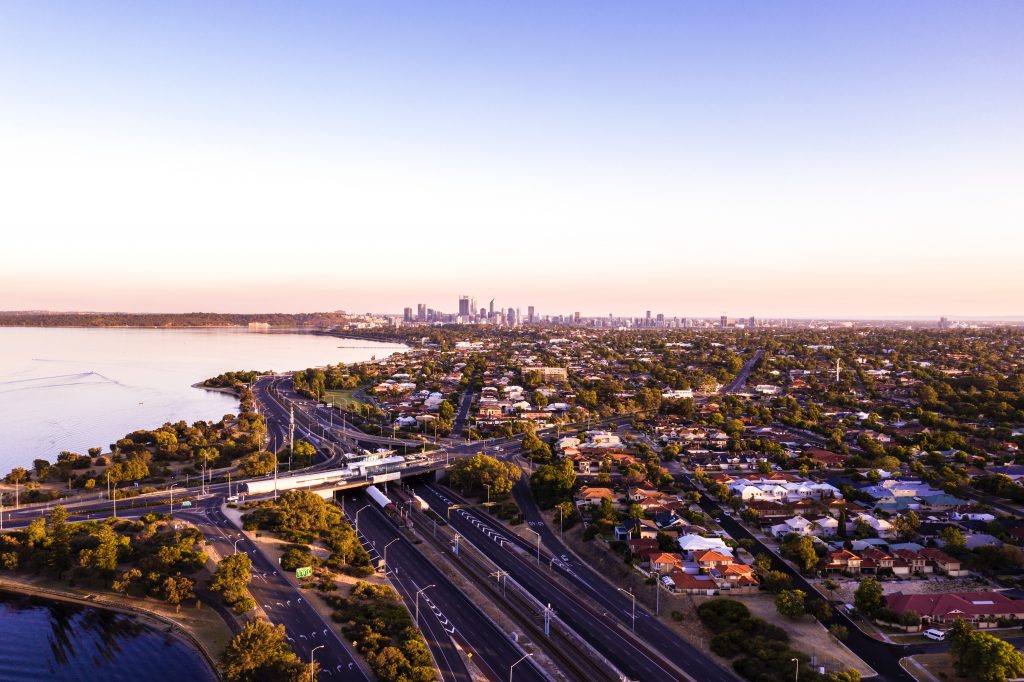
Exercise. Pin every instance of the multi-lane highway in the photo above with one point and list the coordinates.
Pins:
(446, 615)
(593, 608)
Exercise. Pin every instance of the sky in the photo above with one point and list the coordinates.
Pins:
(785, 159)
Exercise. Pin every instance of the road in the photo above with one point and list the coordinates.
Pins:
(595, 611)
(881, 656)
(445, 612)
(463, 412)
(740, 380)
(281, 601)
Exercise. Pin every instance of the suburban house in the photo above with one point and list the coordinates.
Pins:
(595, 495)
(945, 608)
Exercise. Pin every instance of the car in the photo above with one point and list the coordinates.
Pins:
(186, 503)
(718, 519)
(232, 498)
(937, 635)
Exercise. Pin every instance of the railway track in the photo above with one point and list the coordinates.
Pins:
(575, 659)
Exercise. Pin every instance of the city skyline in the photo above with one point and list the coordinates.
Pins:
(785, 161)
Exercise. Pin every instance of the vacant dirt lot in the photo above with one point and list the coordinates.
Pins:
(807, 635)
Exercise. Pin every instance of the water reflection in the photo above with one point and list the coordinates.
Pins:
(71, 642)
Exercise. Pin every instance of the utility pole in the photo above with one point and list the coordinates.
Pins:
(501, 577)
(291, 434)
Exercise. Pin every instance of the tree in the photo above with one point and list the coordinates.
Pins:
(232, 579)
(445, 411)
(790, 603)
(831, 586)
(840, 632)
(983, 656)
(18, 475)
(176, 589)
(905, 525)
(820, 609)
(953, 540)
(869, 597)
(260, 653)
(303, 453)
(58, 541)
(258, 464)
(776, 581)
(800, 550)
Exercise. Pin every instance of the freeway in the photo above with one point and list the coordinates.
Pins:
(595, 616)
(445, 612)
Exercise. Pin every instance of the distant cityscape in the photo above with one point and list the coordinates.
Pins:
(471, 311)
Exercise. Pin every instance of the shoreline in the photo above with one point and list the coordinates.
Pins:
(199, 385)
(154, 620)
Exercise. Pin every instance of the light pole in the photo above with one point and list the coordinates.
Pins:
(312, 670)
(171, 491)
(538, 543)
(386, 554)
(418, 602)
(560, 514)
(796, 673)
(357, 517)
(235, 544)
(633, 597)
(515, 664)
(488, 486)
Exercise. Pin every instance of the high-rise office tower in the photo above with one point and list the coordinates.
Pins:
(530, 314)
(421, 312)
(490, 310)
(407, 316)
(464, 306)
(723, 321)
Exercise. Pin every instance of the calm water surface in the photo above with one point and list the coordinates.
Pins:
(72, 389)
(56, 641)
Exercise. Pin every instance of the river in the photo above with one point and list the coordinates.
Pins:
(76, 388)
(68, 643)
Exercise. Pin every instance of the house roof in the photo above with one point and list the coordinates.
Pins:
(967, 603)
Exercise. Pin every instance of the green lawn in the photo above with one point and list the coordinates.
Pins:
(345, 398)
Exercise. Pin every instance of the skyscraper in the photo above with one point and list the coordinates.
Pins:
(723, 321)
(530, 314)
(464, 306)
(421, 312)
(407, 316)
(490, 310)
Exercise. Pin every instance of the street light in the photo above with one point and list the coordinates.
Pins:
(515, 664)
(386, 554)
(488, 486)
(357, 517)
(538, 543)
(235, 544)
(171, 491)
(633, 597)
(796, 674)
(312, 670)
(418, 602)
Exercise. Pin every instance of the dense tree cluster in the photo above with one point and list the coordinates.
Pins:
(470, 475)
(374, 618)
(145, 557)
(260, 653)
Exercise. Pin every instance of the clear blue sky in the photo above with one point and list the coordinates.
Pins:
(748, 158)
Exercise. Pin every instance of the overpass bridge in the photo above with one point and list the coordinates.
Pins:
(327, 482)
